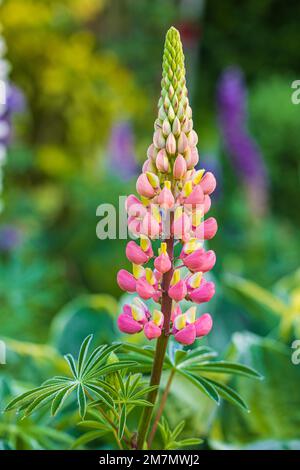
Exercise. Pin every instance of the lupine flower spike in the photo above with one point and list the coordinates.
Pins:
(173, 200)
(11, 101)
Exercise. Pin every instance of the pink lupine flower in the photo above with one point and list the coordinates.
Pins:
(135, 254)
(203, 293)
(177, 290)
(152, 328)
(128, 325)
(163, 263)
(196, 196)
(199, 260)
(143, 186)
(170, 185)
(187, 335)
(186, 328)
(134, 317)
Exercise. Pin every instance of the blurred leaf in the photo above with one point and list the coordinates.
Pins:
(274, 403)
(82, 316)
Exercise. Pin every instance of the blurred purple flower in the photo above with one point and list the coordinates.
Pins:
(122, 159)
(10, 238)
(241, 147)
(15, 104)
(232, 109)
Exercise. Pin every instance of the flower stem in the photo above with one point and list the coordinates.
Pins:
(160, 409)
(161, 347)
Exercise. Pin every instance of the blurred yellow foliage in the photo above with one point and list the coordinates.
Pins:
(75, 90)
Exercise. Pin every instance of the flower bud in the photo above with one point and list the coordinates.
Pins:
(179, 168)
(162, 162)
(171, 144)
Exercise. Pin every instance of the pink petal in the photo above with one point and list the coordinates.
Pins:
(203, 325)
(135, 254)
(207, 229)
(187, 335)
(150, 226)
(151, 330)
(163, 263)
(200, 260)
(208, 183)
(179, 168)
(178, 291)
(196, 196)
(126, 281)
(203, 293)
(144, 289)
(143, 186)
(128, 325)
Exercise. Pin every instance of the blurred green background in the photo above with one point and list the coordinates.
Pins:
(90, 74)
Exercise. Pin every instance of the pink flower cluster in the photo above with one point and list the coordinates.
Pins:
(191, 231)
(174, 198)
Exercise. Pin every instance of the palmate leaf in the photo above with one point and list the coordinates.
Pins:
(170, 437)
(85, 374)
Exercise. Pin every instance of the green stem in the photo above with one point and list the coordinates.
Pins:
(160, 409)
(161, 347)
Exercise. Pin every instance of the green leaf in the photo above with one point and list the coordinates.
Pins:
(178, 430)
(87, 437)
(114, 367)
(25, 397)
(83, 354)
(81, 399)
(274, 403)
(71, 361)
(179, 356)
(104, 397)
(226, 368)
(139, 402)
(122, 422)
(144, 391)
(60, 398)
(193, 441)
(229, 394)
(93, 425)
(143, 351)
(41, 400)
(97, 358)
(203, 385)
